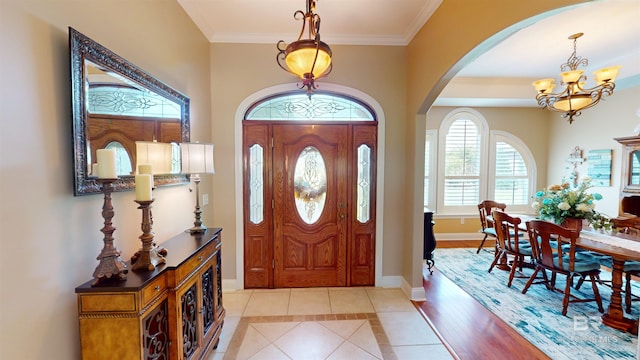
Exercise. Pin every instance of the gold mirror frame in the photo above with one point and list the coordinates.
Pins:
(84, 49)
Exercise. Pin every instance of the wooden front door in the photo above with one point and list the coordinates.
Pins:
(309, 213)
(310, 193)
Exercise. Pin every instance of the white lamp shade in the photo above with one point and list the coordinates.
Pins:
(196, 158)
(156, 154)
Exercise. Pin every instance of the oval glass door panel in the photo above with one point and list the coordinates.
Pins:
(310, 184)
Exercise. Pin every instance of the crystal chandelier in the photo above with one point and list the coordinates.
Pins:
(574, 97)
(308, 59)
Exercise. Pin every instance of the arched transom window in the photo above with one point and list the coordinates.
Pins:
(322, 106)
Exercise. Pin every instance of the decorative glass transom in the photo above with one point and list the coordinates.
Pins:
(310, 184)
(321, 107)
(256, 185)
(130, 101)
(364, 183)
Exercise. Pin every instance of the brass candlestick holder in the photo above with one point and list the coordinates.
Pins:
(150, 255)
(110, 265)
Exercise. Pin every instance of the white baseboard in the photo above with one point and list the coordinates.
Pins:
(414, 294)
(231, 285)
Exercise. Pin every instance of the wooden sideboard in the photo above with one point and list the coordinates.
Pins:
(172, 312)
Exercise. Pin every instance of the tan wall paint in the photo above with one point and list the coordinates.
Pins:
(239, 70)
(50, 239)
(434, 56)
(595, 129)
(530, 125)
(547, 134)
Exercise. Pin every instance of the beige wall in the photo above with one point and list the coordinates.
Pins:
(531, 125)
(435, 54)
(239, 70)
(551, 139)
(50, 239)
(595, 129)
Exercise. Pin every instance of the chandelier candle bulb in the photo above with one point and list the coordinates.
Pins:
(106, 163)
(144, 184)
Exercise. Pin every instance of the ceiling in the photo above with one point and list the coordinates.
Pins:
(610, 28)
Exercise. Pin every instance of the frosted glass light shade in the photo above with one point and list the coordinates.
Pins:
(607, 74)
(577, 102)
(544, 85)
(196, 158)
(156, 154)
(301, 54)
(571, 76)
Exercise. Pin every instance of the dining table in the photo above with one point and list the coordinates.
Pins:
(621, 247)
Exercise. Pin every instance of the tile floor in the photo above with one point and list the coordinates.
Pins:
(325, 323)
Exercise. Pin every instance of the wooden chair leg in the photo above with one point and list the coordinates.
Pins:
(627, 292)
(530, 281)
(567, 291)
(482, 243)
(512, 273)
(495, 260)
(596, 293)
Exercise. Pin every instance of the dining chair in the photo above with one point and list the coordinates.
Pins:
(485, 208)
(546, 240)
(510, 243)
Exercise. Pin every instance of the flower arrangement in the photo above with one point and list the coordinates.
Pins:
(600, 221)
(559, 202)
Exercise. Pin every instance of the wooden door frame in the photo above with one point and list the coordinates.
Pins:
(238, 281)
(360, 252)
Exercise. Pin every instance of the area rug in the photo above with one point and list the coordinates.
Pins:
(537, 315)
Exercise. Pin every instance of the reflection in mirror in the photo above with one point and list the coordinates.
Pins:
(634, 172)
(115, 105)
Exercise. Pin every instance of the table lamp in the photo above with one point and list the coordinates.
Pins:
(196, 159)
(155, 156)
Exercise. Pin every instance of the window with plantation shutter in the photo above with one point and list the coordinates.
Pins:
(430, 152)
(475, 164)
(511, 172)
(462, 164)
(511, 180)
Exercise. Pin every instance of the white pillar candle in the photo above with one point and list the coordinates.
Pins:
(94, 169)
(143, 187)
(146, 169)
(106, 163)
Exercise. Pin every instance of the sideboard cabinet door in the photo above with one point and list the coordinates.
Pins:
(172, 312)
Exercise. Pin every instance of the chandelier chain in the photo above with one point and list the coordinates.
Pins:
(574, 61)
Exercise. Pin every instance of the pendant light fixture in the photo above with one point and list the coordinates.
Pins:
(574, 97)
(307, 58)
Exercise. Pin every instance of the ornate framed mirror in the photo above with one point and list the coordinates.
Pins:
(116, 104)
